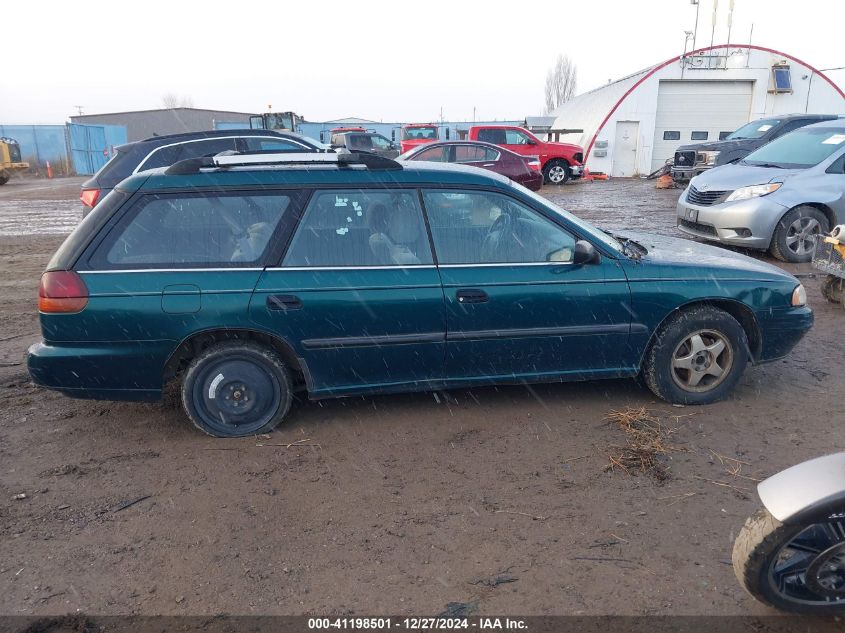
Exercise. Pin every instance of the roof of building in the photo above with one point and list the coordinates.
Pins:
(592, 109)
(83, 116)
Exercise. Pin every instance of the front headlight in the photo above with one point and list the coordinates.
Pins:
(799, 296)
(754, 191)
(708, 158)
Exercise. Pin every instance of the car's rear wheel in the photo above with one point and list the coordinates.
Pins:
(696, 357)
(833, 289)
(236, 389)
(4, 177)
(795, 236)
(556, 172)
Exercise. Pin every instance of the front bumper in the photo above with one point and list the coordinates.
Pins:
(688, 173)
(576, 171)
(781, 330)
(744, 223)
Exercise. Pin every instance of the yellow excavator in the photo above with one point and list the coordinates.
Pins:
(10, 158)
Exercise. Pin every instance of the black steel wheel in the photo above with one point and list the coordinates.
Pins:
(236, 389)
(793, 568)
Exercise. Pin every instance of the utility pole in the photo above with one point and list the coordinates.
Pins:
(78, 110)
(712, 32)
(697, 4)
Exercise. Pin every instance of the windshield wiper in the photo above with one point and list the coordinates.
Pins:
(772, 165)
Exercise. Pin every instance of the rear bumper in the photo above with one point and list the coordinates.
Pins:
(781, 330)
(109, 371)
(532, 181)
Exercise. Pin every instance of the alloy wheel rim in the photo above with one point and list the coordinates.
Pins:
(801, 235)
(702, 361)
(557, 174)
(810, 567)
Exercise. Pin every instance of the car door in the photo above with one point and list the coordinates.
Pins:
(516, 305)
(357, 294)
(519, 142)
(173, 264)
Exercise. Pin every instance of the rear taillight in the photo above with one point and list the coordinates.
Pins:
(62, 291)
(89, 197)
(533, 162)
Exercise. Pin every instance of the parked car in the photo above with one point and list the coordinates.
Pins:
(244, 282)
(522, 169)
(559, 162)
(780, 197)
(365, 142)
(414, 134)
(691, 160)
(162, 151)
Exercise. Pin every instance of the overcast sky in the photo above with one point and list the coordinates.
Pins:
(382, 60)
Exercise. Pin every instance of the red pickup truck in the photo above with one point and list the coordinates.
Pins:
(414, 134)
(559, 161)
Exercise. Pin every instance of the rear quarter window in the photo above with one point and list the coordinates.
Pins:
(193, 230)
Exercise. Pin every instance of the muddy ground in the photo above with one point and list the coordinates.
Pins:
(391, 505)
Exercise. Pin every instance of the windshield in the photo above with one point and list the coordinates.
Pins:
(755, 129)
(422, 133)
(597, 234)
(800, 149)
(314, 142)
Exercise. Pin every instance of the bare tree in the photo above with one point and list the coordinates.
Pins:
(171, 100)
(561, 81)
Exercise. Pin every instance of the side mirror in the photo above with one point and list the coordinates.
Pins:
(530, 141)
(585, 253)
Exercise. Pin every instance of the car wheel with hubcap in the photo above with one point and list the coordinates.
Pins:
(795, 236)
(237, 389)
(696, 357)
(556, 172)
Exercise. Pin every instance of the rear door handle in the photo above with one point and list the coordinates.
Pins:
(284, 302)
(472, 295)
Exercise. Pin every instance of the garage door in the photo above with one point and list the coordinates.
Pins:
(704, 107)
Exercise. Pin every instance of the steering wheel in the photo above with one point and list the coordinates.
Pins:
(495, 240)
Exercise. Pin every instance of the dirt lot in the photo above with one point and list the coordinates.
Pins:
(392, 505)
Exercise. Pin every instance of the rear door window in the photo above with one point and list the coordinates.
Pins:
(474, 154)
(259, 144)
(360, 228)
(169, 154)
(492, 135)
(193, 231)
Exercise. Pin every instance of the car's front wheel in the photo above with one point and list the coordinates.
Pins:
(236, 389)
(696, 357)
(556, 172)
(795, 236)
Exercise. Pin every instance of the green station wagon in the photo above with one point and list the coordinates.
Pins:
(248, 278)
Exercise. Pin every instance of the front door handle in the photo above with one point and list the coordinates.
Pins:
(284, 302)
(472, 295)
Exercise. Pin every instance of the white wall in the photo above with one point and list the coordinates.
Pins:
(811, 93)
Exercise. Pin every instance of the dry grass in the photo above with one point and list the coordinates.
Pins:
(647, 440)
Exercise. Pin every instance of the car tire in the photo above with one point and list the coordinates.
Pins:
(237, 389)
(4, 178)
(696, 357)
(833, 289)
(795, 234)
(556, 172)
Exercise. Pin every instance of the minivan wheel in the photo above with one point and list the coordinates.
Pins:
(236, 389)
(696, 357)
(795, 235)
(556, 172)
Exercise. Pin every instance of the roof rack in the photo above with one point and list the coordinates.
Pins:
(254, 159)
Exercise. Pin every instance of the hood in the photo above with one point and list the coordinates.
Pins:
(694, 260)
(734, 176)
(567, 146)
(721, 146)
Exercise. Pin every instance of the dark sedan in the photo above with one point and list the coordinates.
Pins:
(522, 169)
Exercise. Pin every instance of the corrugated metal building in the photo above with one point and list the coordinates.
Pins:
(141, 124)
(631, 126)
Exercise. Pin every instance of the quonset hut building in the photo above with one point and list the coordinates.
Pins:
(631, 126)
